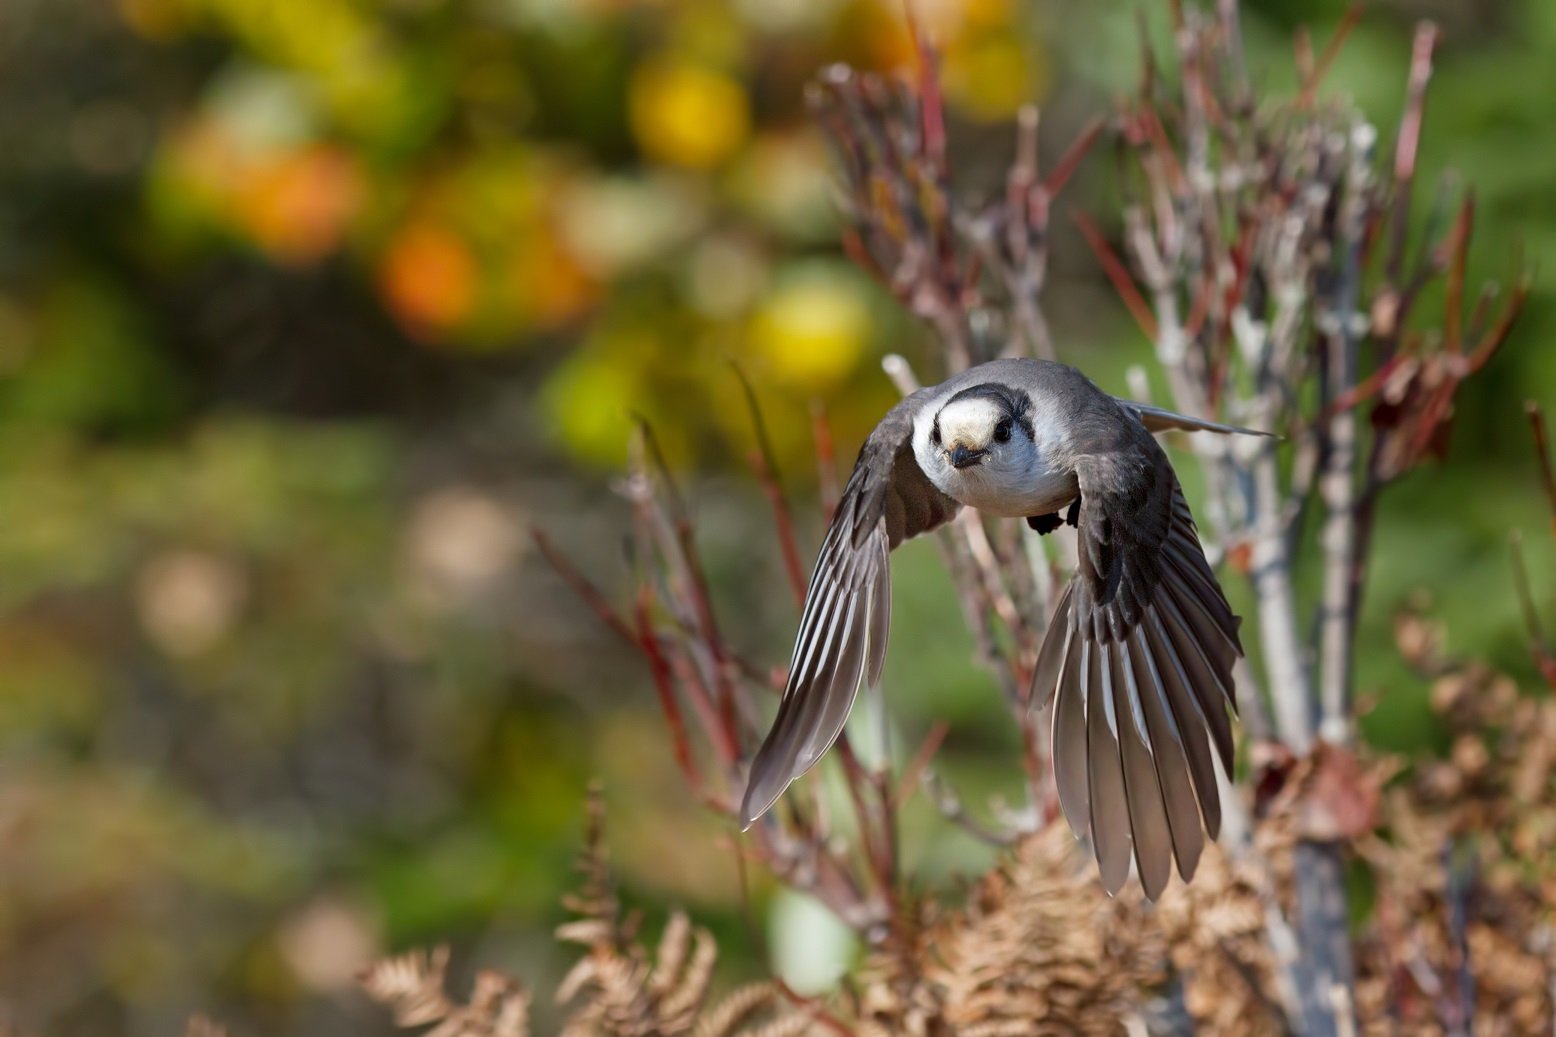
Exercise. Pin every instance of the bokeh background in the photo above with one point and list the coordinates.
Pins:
(308, 308)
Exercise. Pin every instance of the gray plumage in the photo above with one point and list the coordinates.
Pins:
(1136, 665)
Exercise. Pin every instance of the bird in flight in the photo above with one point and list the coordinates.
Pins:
(1136, 666)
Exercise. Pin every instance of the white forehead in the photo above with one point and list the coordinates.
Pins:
(971, 416)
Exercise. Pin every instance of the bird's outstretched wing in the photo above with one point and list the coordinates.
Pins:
(1158, 419)
(1138, 662)
(847, 613)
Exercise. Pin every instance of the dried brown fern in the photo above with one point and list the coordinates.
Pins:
(1039, 949)
(1461, 860)
(413, 986)
(617, 989)
(1466, 868)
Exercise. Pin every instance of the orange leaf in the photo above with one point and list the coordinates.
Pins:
(428, 277)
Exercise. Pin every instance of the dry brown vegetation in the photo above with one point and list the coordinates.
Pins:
(1462, 853)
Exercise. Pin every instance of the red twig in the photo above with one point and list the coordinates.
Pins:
(1433, 413)
(696, 589)
(1315, 73)
(1497, 334)
(919, 761)
(1408, 146)
(1365, 389)
(813, 1005)
(580, 585)
(656, 460)
(1032, 761)
(1539, 647)
(766, 465)
(1157, 133)
(710, 633)
(724, 744)
(780, 508)
(878, 850)
(855, 249)
(931, 106)
(1542, 449)
(1118, 274)
(1302, 45)
(1060, 175)
(664, 684)
(1459, 250)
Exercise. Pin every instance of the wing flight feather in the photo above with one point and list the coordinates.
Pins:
(847, 613)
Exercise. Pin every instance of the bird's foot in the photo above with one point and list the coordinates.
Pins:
(1045, 524)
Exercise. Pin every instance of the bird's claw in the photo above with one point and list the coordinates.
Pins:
(1045, 524)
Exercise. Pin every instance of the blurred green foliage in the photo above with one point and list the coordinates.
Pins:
(307, 305)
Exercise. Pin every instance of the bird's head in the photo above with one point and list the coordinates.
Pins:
(984, 424)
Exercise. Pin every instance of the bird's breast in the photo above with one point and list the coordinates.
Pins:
(1014, 494)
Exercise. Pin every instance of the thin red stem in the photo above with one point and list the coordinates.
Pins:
(1542, 448)
(664, 684)
(1319, 69)
(1459, 250)
(587, 592)
(920, 760)
(1118, 274)
(1060, 175)
(766, 465)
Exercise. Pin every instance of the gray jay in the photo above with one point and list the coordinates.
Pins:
(1136, 666)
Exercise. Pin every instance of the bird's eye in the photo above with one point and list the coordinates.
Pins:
(1002, 431)
(934, 434)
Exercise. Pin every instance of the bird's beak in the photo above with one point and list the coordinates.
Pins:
(961, 457)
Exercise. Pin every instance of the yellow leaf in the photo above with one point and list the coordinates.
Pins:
(812, 328)
(590, 400)
(686, 115)
(990, 76)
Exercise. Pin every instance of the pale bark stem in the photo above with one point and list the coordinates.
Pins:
(1337, 482)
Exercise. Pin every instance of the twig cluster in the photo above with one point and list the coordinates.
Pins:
(1280, 289)
(973, 274)
(710, 698)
